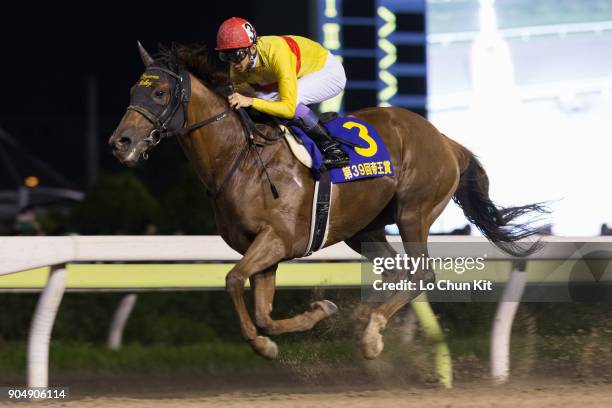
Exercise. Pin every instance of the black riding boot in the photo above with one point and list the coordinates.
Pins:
(333, 155)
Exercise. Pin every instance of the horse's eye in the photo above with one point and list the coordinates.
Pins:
(160, 93)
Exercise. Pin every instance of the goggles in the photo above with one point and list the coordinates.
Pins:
(233, 56)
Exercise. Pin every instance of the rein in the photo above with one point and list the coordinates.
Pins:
(162, 125)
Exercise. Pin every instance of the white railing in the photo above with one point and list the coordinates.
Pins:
(19, 254)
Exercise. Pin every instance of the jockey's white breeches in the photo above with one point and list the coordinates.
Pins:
(318, 86)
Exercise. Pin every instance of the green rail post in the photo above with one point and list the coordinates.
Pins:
(433, 332)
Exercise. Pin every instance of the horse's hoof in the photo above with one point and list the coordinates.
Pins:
(372, 341)
(329, 308)
(264, 347)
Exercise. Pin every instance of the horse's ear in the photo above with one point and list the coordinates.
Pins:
(146, 58)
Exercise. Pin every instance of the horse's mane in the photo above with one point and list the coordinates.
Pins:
(195, 59)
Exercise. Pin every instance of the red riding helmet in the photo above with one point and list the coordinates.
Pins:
(235, 33)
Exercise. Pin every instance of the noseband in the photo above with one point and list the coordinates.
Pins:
(166, 124)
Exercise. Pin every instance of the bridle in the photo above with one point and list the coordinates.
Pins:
(168, 123)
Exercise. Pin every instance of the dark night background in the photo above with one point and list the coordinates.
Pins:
(50, 49)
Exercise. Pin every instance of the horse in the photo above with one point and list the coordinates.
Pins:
(180, 95)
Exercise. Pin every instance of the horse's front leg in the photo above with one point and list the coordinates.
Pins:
(263, 286)
(266, 250)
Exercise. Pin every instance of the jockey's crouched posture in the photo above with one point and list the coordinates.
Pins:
(284, 74)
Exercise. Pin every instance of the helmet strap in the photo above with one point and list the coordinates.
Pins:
(252, 57)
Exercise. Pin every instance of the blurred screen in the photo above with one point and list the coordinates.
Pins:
(527, 86)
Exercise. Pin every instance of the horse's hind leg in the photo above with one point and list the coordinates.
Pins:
(377, 247)
(263, 285)
(371, 318)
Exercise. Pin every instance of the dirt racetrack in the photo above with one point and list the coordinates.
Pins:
(524, 395)
(511, 397)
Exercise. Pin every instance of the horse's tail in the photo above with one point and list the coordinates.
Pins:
(496, 223)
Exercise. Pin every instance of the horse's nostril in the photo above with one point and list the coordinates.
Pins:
(122, 143)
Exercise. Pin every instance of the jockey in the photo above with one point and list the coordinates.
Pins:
(283, 74)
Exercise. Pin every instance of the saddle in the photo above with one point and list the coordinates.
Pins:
(282, 130)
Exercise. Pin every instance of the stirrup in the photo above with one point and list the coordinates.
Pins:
(336, 162)
(334, 156)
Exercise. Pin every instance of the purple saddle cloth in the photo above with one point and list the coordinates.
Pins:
(369, 159)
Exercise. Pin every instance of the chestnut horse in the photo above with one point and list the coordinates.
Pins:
(178, 95)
